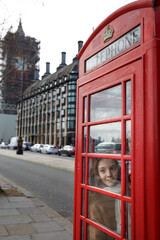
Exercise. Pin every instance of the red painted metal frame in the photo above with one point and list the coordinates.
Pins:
(87, 155)
(140, 65)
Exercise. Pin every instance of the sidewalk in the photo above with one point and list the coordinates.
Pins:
(56, 162)
(23, 216)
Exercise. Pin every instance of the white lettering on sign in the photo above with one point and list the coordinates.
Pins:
(126, 41)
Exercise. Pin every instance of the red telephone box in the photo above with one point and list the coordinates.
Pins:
(117, 169)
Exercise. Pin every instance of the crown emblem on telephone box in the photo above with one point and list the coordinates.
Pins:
(108, 33)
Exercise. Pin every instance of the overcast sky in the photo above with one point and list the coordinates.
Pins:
(57, 24)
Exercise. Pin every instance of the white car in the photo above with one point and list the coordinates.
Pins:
(4, 145)
(36, 147)
(52, 149)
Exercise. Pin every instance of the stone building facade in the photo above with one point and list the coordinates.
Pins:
(48, 110)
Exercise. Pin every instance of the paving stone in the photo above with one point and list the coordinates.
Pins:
(26, 193)
(3, 231)
(50, 212)
(20, 229)
(21, 237)
(3, 200)
(5, 220)
(30, 210)
(47, 227)
(19, 199)
(16, 205)
(8, 212)
(63, 235)
(65, 223)
(37, 202)
(40, 218)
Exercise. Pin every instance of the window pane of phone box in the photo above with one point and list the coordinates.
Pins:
(128, 221)
(104, 210)
(96, 234)
(82, 230)
(105, 138)
(106, 104)
(128, 97)
(85, 109)
(128, 178)
(105, 173)
(83, 202)
(84, 139)
(128, 137)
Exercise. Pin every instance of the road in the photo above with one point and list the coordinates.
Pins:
(54, 187)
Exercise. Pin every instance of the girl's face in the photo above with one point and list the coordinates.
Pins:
(108, 172)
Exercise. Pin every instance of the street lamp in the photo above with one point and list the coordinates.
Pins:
(20, 65)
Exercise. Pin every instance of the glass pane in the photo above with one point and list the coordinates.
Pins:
(128, 221)
(84, 139)
(82, 230)
(105, 138)
(83, 201)
(85, 109)
(128, 97)
(106, 104)
(128, 178)
(83, 170)
(128, 137)
(105, 173)
(104, 210)
(96, 234)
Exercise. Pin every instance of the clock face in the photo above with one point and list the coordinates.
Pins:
(19, 63)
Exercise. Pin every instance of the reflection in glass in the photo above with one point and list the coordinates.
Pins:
(128, 178)
(105, 173)
(104, 210)
(83, 170)
(128, 97)
(128, 137)
(83, 201)
(84, 139)
(128, 221)
(106, 104)
(105, 138)
(85, 109)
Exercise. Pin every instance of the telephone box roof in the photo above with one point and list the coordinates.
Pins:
(127, 8)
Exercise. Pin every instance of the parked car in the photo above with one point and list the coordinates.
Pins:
(40, 148)
(108, 147)
(13, 143)
(117, 148)
(27, 146)
(4, 145)
(36, 147)
(67, 150)
(52, 149)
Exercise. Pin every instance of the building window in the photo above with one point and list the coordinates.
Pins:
(63, 89)
(72, 99)
(72, 111)
(72, 87)
(71, 125)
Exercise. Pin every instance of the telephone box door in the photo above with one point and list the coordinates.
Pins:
(105, 176)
